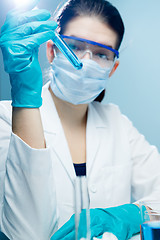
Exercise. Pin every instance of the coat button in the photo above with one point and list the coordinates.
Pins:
(93, 188)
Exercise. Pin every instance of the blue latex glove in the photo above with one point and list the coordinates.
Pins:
(3, 237)
(123, 221)
(21, 35)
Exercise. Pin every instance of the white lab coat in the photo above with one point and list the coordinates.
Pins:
(36, 186)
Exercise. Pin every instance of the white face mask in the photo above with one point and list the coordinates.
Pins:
(78, 86)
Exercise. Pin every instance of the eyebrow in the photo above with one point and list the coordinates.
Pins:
(93, 41)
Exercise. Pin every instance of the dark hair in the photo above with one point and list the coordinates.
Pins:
(100, 8)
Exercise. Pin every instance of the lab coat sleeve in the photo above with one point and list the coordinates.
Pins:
(145, 166)
(29, 200)
(5, 133)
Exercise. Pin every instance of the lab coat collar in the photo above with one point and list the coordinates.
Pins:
(52, 126)
(95, 129)
(95, 115)
(50, 118)
(54, 133)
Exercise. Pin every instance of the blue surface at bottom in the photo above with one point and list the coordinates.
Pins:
(3, 237)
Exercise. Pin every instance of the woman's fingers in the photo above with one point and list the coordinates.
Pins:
(69, 236)
(30, 30)
(97, 231)
(41, 38)
(66, 232)
(26, 17)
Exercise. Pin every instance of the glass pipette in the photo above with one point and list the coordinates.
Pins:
(81, 199)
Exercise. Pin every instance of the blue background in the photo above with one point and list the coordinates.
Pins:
(135, 86)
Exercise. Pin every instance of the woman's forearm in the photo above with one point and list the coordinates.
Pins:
(27, 124)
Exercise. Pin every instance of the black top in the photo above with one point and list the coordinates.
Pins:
(80, 169)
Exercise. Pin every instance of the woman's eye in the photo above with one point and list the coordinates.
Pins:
(74, 47)
(102, 55)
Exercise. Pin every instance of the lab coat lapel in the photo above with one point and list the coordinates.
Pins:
(95, 127)
(61, 149)
(55, 134)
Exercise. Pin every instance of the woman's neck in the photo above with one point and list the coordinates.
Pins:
(73, 115)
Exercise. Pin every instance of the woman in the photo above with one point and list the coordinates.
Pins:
(43, 145)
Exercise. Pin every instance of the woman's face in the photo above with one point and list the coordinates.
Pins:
(92, 28)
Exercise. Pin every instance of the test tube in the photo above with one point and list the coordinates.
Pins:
(68, 53)
(81, 202)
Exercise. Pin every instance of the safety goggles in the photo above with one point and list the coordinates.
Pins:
(104, 55)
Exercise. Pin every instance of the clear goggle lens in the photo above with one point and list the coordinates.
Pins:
(103, 56)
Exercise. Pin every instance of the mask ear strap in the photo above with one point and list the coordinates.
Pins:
(55, 54)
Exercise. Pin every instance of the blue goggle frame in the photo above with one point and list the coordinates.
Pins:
(93, 43)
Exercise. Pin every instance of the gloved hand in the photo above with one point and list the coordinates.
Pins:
(123, 221)
(21, 35)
